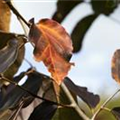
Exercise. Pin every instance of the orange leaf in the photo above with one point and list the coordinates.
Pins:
(53, 46)
(116, 66)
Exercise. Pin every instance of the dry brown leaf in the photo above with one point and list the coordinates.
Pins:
(5, 16)
(53, 46)
(116, 66)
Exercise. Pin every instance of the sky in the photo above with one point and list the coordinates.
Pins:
(93, 63)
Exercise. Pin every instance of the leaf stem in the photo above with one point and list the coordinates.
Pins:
(106, 109)
(23, 26)
(104, 104)
(16, 113)
(29, 63)
(73, 102)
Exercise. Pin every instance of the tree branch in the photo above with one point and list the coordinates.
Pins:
(73, 103)
(104, 104)
(8, 2)
(31, 93)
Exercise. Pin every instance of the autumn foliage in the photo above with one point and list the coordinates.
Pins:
(52, 97)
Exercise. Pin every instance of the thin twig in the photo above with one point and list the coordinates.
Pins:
(20, 18)
(30, 71)
(106, 109)
(22, 45)
(8, 2)
(73, 102)
(15, 115)
(23, 26)
(25, 30)
(31, 93)
(29, 63)
(104, 104)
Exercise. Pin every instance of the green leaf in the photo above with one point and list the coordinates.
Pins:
(104, 6)
(44, 111)
(63, 9)
(65, 113)
(88, 97)
(116, 112)
(80, 31)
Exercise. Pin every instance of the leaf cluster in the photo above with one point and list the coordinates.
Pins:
(57, 95)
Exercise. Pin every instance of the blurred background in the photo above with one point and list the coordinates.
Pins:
(98, 33)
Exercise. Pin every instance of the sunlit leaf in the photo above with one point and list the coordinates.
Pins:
(116, 112)
(43, 111)
(88, 97)
(64, 7)
(8, 55)
(116, 66)
(80, 31)
(53, 46)
(104, 6)
(5, 16)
